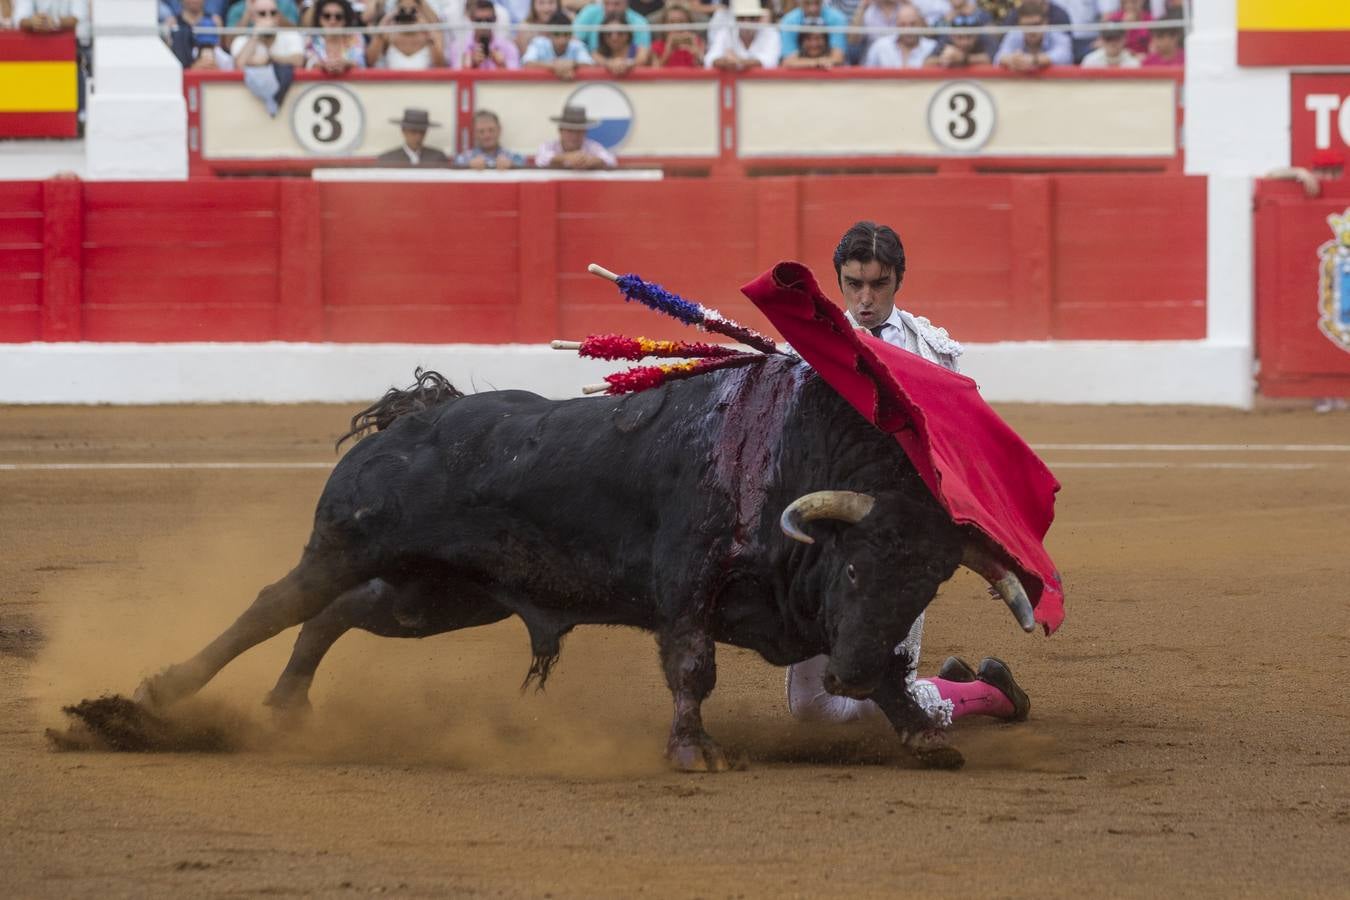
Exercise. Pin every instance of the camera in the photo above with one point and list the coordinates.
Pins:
(406, 15)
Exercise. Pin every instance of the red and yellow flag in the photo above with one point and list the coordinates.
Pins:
(39, 86)
(1293, 32)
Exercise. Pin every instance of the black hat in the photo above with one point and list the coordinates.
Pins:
(574, 117)
(416, 119)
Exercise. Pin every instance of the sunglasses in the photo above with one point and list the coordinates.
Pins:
(268, 13)
(332, 17)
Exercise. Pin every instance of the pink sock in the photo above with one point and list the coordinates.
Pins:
(973, 698)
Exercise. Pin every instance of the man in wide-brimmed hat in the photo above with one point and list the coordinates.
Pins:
(572, 149)
(414, 154)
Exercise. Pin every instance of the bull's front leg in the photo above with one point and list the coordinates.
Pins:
(687, 656)
(921, 735)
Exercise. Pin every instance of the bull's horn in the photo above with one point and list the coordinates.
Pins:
(1004, 583)
(846, 506)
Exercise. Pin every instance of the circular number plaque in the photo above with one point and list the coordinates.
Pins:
(961, 116)
(328, 119)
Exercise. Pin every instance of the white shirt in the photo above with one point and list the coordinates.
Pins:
(918, 335)
(287, 43)
(767, 46)
(1097, 60)
(56, 9)
(886, 53)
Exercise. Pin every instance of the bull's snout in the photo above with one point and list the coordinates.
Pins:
(858, 690)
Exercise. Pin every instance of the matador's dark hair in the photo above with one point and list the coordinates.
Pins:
(868, 241)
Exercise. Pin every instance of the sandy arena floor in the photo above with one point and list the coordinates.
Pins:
(1189, 736)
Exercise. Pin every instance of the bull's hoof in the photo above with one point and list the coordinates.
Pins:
(289, 711)
(697, 755)
(932, 750)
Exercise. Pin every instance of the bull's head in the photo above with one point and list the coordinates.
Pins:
(860, 613)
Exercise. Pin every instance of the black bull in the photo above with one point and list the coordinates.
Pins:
(658, 510)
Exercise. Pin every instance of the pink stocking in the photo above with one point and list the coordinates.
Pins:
(974, 698)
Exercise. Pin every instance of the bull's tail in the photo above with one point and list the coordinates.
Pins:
(430, 389)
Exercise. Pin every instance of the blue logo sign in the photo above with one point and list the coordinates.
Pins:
(608, 104)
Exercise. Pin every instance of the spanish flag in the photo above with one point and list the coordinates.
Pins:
(1293, 33)
(39, 85)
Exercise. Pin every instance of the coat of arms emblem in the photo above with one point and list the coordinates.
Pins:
(1333, 287)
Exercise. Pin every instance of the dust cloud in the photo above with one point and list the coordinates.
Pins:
(451, 700)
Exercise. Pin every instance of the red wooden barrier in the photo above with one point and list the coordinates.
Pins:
(1297, 358)
(993, 258)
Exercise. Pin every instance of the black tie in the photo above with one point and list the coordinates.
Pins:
(876, 330)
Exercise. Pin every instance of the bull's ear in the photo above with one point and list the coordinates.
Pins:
(843, 506)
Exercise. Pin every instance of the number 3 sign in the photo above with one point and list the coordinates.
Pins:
(961, 116)
(328, 119)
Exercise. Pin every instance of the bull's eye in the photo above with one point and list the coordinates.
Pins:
(852, 573)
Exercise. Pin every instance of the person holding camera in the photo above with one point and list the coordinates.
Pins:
(483, 48)
(421, 49)
(678, 49)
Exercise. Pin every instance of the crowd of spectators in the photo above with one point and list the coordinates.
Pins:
(560, 35)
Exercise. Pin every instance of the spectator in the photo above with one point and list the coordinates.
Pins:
(1165, 48)
(195, 37)
(255, 49)
(813, 52)
(46, 16)
(235, 15)
(572, 149)
(1030, 51)
(967, 14)
(1082, 13)
(678, 49)
(541, 13)
(871, 14)
(169, 10)
(1112, 54)
(457, 13)
(741, 46)
(487, 151)
(593, 14)
(907, 50)
(812, 12)
(483, 48)
(6, 14)
(557, 51)
(961, 50)
(335, 53)
(1133, 11)
(414, 154)
(616, 52)
(407, 50)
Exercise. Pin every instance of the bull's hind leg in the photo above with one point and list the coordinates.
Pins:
(687, 656)
(415, 610)
(306, 590)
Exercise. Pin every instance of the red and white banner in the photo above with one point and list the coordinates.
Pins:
(1320, 116)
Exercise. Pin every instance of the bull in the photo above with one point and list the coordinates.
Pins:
(748, 506)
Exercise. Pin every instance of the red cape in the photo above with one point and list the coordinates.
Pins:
(977, 467)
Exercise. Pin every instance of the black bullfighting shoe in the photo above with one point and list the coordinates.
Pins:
(956, 669)
(995, 673)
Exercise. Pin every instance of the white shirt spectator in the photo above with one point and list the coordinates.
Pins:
(767, 47)
(889, 53)
(1098, 59)
(287, 43)
(56, 9)
(544, 157)
(1082, 12)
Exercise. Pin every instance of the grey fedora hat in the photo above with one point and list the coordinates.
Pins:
(416, 119)
(574, 117)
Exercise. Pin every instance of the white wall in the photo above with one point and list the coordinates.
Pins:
(1195, 372)
(137, 122)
